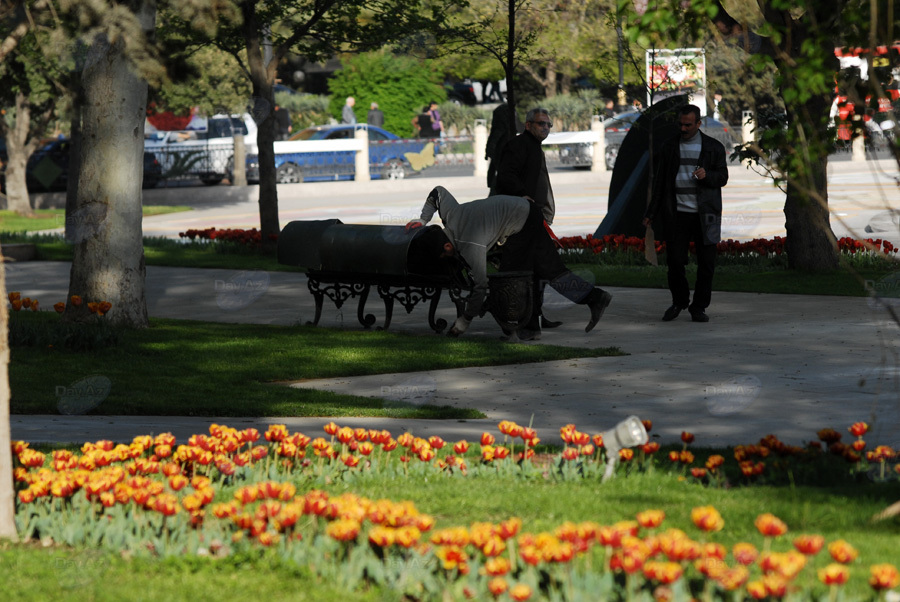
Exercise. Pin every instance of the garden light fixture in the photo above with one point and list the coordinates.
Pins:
(628, 433)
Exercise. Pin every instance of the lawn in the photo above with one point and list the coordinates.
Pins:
(50, 219)
(185, 368)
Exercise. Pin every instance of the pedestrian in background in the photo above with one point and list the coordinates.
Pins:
(686, 204)
(282, 123)
(347, 114)
(436, 125)
(500, 134)
(375, 116)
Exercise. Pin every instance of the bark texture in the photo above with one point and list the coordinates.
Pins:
(105, 228)
(7, 493)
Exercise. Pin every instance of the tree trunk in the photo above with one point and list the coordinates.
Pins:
(7, 493)
(108, 263)
(810, 243)
(19, 149)
(262, 77)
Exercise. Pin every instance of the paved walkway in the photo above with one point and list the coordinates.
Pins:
(782, 364)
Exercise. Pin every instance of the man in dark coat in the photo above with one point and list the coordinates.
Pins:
(686, 206)
(522, 171)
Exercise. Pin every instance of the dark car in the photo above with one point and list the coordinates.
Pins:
(615, 130)
(461, 93)
(390, 157)
(48, 168)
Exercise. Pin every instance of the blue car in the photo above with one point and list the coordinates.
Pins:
(390, 157)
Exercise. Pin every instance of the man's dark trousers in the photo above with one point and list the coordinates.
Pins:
(688, 229)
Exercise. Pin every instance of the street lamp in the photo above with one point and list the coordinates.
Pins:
(628, 433)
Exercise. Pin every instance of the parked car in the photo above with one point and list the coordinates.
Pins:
(461, 93)
(390, 157)
(48, 168)
(617, 127)
(207, 154)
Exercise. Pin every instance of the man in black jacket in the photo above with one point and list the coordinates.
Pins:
(686, 206)
(522, 171)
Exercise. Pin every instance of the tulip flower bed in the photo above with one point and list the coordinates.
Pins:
(90, 332)
(241, 494)
(629, 250)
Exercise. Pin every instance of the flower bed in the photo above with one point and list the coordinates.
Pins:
(233, 491)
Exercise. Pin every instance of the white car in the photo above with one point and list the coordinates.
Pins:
(207, 154)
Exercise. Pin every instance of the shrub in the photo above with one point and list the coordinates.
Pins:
(400, 85)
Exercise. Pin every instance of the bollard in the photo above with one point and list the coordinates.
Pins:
(858, 148)
(598, 161)
(747, 131)
(480, 144)
(362, 155)
(239, 169)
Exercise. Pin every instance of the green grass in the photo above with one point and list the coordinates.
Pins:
(49, 219)
(184, 368)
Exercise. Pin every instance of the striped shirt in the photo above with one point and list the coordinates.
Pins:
(685, 184)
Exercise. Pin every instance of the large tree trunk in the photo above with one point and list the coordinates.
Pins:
(7, 493)
(19, 148)
(262, 77)
(108, 263)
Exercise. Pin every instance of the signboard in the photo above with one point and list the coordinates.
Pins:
(674, 72)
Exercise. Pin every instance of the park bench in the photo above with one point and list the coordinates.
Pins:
(344, 261)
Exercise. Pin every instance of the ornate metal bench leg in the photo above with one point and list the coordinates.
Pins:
(318, 296)
(365, 319)
(439, 325)
(385, 293)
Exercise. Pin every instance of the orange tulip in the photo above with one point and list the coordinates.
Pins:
(770, 525)
(809, 544)
(16, 305)
(757, 590)
(34, 305)
(834, 574)
(436, 442)
(648, 425)
(14, 296)
(858, 429)
(520, 592)
(497, 586)
(663, 572)
(626, 454)
(331, 428)
(94, 307)
(104, 307)
(650, 519)
(75, 300)
(26, 302)
(842, 551)
(883, 576)
(487, 438)
(687, 437)
(650, 448)
(461, 447)
(59, 307)
(707, 518)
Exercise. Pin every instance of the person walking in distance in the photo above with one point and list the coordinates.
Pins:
(347, 114)
(686, 206)
(375, 116)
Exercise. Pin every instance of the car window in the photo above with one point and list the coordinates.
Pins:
(307, 134)
(339, 135)
(376, 135)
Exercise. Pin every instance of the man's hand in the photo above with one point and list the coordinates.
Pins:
(416, 223)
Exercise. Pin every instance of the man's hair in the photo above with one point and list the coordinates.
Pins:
(532, 113)
(690, 110)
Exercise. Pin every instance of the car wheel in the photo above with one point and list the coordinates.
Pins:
(612, 152)
(288, 173)
(394, 170)
(212, 180)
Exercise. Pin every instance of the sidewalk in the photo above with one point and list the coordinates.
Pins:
(782, 364)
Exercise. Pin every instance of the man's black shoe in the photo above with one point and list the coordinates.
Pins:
(597, 301)
(672, 313)
(545, 323)
(699, 316)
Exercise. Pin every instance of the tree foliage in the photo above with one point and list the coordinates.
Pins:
(400, 85)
